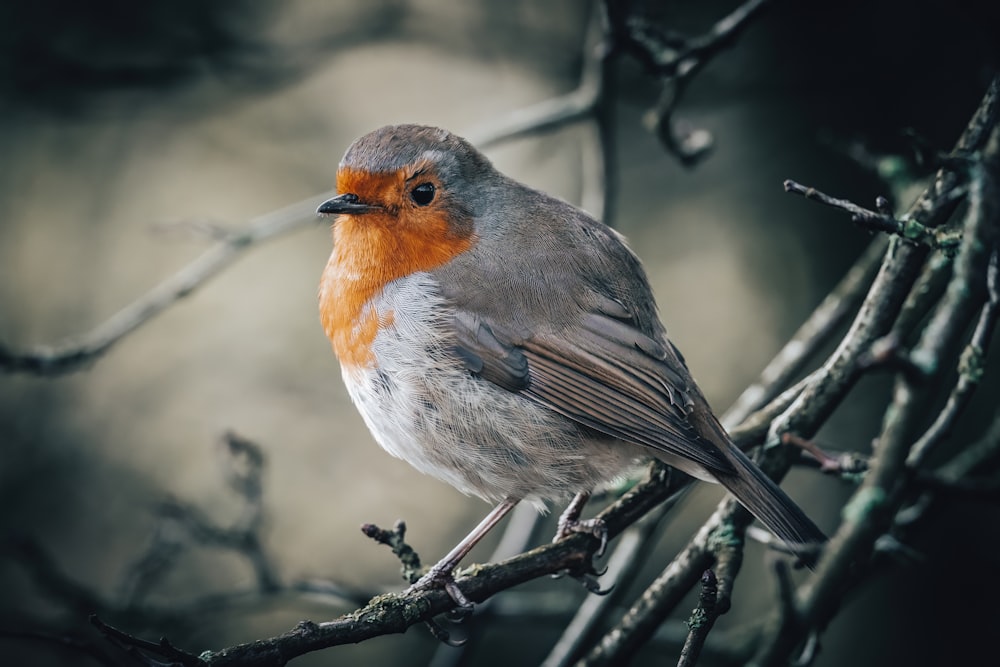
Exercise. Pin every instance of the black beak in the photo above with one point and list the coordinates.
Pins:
(348, 203)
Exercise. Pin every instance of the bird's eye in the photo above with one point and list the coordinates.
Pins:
(423, 194)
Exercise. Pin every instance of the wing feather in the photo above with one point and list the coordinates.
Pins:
(610, 377)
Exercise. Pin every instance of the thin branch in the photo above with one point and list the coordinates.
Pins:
(926, 292)
(73, 645)
(395, 539)
(676, 61)
(970, 370)
(870, 511)
(983, 452)
(813, 334)
(139, 648)
(957, 476)
(881, 221)
(558, 111)
(181, 524)
(701, 621)
(667, 590)
(516, 538)
(849, 465)
(890, 289)
(75, 353)
(625, 561)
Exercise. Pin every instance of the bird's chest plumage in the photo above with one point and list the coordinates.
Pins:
(423, 405)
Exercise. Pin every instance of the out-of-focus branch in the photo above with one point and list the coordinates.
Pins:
(970, 370)
(676, 60)
(77, 647)
(593, 98)
(76, 352)
(558, 111)
(842, 301)
(891, 288)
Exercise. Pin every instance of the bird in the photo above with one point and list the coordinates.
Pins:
(504, 341)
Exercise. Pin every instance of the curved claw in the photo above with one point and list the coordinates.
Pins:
(463, 606)
(442, 635)
(592, 585)
(446, 580)
(594, 527)
(459, 615)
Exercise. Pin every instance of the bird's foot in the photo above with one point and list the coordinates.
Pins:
(594, 527)
(440, 577)
(570, 523)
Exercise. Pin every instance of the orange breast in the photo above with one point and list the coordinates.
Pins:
(372, 250)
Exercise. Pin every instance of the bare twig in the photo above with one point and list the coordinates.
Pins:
(516, 538)
(844, 463)
(139, 648)
(74, 645)
(624, 563)
(676, 60)
(395, 539)
(701, 621)
(182, 524)
(881, 220)
(925, 293)
(815, 332)
(958, 476)
(889, 291)
(667, 590)
(77, 352)
(970, 370)
(871, 509)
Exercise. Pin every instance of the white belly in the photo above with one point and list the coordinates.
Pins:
(422, 405)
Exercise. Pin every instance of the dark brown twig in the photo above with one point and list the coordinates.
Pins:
(881, 220)
(676, 60)
(73, 645)
(139, 648)
(396, 540)
(701, 621)
(872, 508)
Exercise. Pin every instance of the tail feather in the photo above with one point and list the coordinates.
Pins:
(769, 504)
(757, 492)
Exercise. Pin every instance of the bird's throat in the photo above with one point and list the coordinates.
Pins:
(369, 252)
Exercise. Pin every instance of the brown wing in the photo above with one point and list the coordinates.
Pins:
(604, 374)
(607, 375)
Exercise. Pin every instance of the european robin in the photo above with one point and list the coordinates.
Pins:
(504, 341)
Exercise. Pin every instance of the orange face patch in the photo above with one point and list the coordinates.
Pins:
(371, 250)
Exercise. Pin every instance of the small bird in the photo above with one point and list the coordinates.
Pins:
(508, 343)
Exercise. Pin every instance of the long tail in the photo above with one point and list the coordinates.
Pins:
(766, 501)
(760, 495)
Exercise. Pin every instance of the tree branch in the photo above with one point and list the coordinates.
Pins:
(870, 511)
(77, 352)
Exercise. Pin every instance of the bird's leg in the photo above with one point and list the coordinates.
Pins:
(570, 522)
(440, 576)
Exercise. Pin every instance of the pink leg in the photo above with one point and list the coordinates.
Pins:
(570, 522)
(441, 573)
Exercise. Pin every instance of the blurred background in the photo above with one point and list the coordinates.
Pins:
(126, 129)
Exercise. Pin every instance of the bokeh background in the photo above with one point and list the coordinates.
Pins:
(126, 126)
